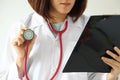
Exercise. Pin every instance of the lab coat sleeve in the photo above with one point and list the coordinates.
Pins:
(97, 76)
(118, 77)
(10, 73)
(8, 67)
(100, 76)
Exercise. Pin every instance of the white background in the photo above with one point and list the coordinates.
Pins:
(13, 10)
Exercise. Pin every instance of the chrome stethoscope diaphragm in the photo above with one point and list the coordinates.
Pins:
(28, 34)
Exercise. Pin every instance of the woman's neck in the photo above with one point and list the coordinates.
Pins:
(56, 17)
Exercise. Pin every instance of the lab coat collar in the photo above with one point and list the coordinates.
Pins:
(39, 20)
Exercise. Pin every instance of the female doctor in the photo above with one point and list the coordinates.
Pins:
(44, 60)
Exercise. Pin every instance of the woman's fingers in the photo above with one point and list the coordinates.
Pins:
(113, 55)
(111, 62)
(115, 61)
(117, 50)
(14, 42)
(19, 40)
(24, 28)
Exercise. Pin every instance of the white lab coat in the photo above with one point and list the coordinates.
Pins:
(44, 56)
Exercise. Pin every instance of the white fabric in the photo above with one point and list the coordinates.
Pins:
(44, 56)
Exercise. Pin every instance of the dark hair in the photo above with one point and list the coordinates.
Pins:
(42, 8)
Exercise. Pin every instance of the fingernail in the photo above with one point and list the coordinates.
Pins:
(103, 58)
(115, 47)
(107, 51)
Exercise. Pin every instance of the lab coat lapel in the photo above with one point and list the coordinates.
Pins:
(78, 28)
(39, 20)
(48, 32)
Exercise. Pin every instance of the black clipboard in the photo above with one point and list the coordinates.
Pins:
(102, 32)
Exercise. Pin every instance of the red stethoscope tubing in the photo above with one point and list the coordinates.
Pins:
(25, 59)
(59, 33)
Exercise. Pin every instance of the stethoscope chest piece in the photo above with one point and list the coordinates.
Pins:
(28, 34)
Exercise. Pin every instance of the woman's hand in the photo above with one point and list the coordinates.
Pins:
(114, 63)
(20, 45)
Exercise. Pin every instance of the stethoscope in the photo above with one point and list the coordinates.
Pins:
(29, 35)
